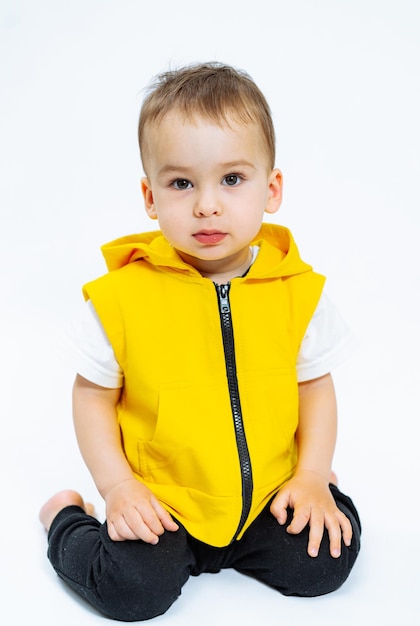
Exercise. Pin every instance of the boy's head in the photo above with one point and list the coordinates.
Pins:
(207, 146)
(211, 91)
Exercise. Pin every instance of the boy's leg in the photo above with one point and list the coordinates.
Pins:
(124, 580)
(270, 554)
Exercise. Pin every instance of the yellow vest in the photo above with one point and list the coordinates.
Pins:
(210, 432)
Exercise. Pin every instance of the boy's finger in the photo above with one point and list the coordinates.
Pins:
(334, 534)
(316, 532)
(346, 528)
(279, 507)
(120, 530)
(164, 517)
(301, 517)
(147, 516)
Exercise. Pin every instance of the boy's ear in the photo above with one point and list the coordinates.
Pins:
(275, 191)
(149, 204)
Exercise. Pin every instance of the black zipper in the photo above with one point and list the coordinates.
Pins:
(235, 401)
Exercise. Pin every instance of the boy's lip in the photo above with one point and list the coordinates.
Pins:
(209, 237)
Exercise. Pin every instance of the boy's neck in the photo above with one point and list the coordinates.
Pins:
(222, 271)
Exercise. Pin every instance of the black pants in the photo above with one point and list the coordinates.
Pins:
(133, 580)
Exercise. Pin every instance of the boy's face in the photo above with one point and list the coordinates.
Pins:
(209, 186)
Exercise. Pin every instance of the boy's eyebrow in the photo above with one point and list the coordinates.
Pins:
(240, 163)
(170, 169)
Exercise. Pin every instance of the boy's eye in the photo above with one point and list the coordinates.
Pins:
(181, 183)
(232, 180)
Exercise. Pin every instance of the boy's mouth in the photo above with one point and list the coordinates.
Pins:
(209, 237)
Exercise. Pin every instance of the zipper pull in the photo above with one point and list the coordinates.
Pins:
(223, 291)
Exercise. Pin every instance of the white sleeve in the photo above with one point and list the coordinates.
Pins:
(87, 349)
(327, 343)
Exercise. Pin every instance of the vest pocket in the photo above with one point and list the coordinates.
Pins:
(194, 442)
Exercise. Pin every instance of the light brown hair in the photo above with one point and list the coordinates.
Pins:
(211, 91)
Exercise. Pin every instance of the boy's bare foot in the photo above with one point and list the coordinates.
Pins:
(60, 501)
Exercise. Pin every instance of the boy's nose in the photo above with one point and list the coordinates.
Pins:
(207, 204)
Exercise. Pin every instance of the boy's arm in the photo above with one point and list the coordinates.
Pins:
(307, 492)
(132, 511)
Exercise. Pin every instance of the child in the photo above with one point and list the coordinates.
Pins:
(204, 406)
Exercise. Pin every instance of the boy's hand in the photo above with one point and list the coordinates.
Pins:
(133, 512)
(308, 494)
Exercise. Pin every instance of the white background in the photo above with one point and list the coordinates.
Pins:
(343, 82)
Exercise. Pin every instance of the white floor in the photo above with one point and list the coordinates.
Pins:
(342, 80)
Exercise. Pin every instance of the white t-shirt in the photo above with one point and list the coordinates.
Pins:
(326, 344)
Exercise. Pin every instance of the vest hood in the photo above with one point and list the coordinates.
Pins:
(278, 256)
